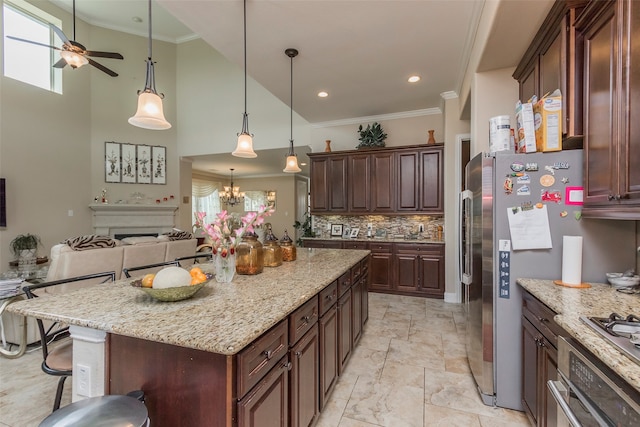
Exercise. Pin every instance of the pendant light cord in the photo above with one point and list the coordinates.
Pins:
(245, 56)
(291, 105)
(149, 30)
(74, 20)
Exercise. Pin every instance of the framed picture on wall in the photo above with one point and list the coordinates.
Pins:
(113, 164)
(159, 165)
(128, 163)
(143, 156)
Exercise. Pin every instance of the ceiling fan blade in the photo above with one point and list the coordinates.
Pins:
(97, 54)
(102, 68)
(59, 32)
(60, 64)
(32, 42)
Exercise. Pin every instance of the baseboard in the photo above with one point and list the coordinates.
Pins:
(451, 297)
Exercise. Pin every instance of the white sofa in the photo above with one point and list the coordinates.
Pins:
(130, 252)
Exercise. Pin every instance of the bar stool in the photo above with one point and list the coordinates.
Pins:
(102, 411)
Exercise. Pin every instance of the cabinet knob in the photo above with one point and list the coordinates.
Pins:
(330, 297)
(298, 354)
(306, 319)
(287, 366)
(610, 197)
(268, 354)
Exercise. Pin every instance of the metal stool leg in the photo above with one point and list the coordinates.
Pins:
(56, 403)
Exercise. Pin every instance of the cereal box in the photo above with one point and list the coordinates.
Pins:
(525, 129)
(548, 122)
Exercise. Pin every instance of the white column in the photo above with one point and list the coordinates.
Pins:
(89, 362)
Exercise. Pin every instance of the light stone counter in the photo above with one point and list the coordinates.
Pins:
(600, 301)
(221, 318)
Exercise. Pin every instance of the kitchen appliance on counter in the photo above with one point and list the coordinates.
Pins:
(588, 393)
(622, 332)
(495, 184)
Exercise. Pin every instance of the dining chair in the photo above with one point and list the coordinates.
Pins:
(149, 268)
(58, 361)
(196, 258)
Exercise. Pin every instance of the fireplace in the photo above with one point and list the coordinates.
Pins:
(133, 219)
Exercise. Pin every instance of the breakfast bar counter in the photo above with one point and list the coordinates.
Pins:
(203, 360)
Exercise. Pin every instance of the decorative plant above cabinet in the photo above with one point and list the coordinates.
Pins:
(371, 136)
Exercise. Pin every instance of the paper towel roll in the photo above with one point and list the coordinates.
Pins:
(572, 260)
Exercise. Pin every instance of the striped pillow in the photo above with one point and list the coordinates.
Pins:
(178, 235)
(91, 241)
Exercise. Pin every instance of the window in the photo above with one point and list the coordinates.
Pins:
(206, 198)
(28, 62)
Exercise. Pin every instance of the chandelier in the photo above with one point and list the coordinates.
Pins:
(231, 195)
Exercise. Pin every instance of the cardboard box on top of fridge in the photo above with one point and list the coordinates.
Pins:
(525, 129)
(547, 114)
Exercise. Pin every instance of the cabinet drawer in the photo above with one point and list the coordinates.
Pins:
(301, 320)
(356, 271)
(344, 282)
(380, 247)
(364, 266)
(328, 297)
(354, 245)
(260, 356)
(419, 248)
(541, 317)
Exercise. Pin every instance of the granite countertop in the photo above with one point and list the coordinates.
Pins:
(221, 318)
(377, 240)
(600, 300)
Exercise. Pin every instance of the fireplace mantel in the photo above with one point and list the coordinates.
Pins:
(123, 218)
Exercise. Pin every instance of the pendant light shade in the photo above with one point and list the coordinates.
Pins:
(150, 114)
(245, 139)
(73, 59)
(291, 166)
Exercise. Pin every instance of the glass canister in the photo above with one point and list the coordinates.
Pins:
(288, 248)
(249, 255)
(272, 250)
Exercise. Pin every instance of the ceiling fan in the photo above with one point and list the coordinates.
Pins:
(73, 53)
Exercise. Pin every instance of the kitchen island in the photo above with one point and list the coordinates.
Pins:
(211, 360)
(599, 300)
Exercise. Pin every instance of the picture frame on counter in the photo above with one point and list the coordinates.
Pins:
(346, 231)
(336, 230)
(354, 233)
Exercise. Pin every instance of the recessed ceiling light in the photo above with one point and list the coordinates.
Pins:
(414, 79)
(303, 164)
(323, 94)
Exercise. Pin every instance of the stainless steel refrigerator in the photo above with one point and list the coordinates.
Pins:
(496, 184)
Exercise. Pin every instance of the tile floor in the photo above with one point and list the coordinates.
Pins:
(409, 369)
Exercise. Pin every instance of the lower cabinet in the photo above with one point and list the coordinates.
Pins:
(328, 353)
(345, 340)
(267, 404)
(356, 308)
(539, 360)
(381, 270)
(304, 379)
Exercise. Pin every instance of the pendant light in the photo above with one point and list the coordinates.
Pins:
(150, 114)
(231, 195)
(245, 139)
(292, 160)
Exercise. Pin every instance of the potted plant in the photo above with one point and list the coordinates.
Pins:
(25, 245)
(305, 227)
(371, 136)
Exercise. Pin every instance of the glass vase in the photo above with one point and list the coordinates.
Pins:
(225, 267)
(250, 259)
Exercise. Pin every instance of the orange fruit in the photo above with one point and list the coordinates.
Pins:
(196, 271)
(147, 280)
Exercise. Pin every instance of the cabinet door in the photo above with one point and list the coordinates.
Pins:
(319, 184)
(328, 353)
(548, 416)
(337, 184)
(431, 275)
(381, 267)
(431, 185)
(304, 380)
(356, 308)
(601, 71)
(344, 330)
(359, 183)
(407, 181)
(267, 404)
(551, 66)
(530, 339)
(529, 83)
(406, 266)
(382, 183)
(365, 299)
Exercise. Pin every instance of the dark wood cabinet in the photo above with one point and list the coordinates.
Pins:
(553, 61)
(329, 362)
(304, 379)
(327, 244)
(419, 269)
(345, 340)
(267, 404)
(612, 90)
(398, 180)
(356, 244)
(356, 310)
(539, 360)
(381, 268)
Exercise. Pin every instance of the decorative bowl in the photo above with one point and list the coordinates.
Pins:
(623, 281)
(170, 294)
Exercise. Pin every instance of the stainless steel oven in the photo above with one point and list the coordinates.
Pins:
(588, 393)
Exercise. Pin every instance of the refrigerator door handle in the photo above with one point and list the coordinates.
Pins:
(464, 254)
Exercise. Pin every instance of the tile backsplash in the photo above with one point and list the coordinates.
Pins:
(394, 225)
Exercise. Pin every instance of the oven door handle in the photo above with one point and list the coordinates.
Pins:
(557, 392)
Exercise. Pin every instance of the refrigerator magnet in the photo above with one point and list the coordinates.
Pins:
(524, 179)
(517, 167)
(508, 185)
(547, 180)
(525, 190)
(551, 196)
(531, 167)
(574, 195)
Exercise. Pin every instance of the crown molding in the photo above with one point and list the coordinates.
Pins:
(381, 117)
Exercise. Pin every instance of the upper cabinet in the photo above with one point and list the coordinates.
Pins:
(554, 61)
(400, 180)
(610, 32)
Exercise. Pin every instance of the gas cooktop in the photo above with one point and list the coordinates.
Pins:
(620, 331)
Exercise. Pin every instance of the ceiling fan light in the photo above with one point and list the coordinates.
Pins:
(75, 60)
(150, 114)
(292, 164)
(244, 147)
